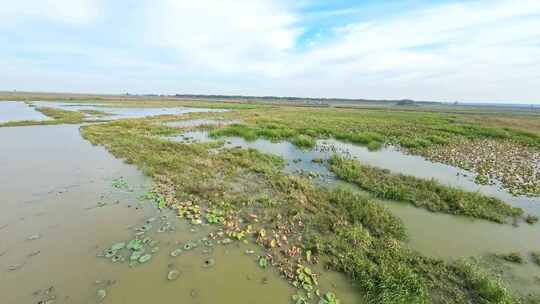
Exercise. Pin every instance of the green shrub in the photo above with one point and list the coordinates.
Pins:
(304, 141)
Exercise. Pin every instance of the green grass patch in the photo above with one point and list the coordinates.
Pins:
(304, 141)
(427, 194)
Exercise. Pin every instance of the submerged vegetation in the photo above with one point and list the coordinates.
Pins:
(513, 257)
(248, 197)
(428, 194)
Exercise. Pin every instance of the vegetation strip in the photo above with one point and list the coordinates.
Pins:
(298, 224)
(428, 194)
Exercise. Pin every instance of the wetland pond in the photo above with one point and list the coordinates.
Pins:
(65, 202)
(433, 234)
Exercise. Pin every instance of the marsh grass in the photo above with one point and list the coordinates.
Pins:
(270, 132)
(62, 115)
(352, 232)
(428, 194)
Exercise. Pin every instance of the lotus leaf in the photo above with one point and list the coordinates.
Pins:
(173, 275)
(329, 298)
(263, 262)
(145, 258)
(176, 252)
(136, 255)
(118, 246)
(135, 244)
(110, 253)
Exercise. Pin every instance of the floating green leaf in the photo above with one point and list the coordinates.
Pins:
(263, 262)
(118, 246)
(135, 244)
(145, 258)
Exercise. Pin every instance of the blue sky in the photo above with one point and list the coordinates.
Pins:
(427, 50)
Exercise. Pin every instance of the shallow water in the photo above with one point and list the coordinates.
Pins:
(433, 234)
(387, 158)
(448, 236)
(15, 110)
(122, 113)
(53, 226)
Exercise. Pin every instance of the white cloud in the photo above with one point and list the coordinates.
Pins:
(225, 36)
(466, 50)
(471, 50)
(65, 11)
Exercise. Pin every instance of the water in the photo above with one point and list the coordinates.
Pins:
(432, 234)
(53, 225)
(449, 236)
(387, 158)
(122, 112)
(15, 110)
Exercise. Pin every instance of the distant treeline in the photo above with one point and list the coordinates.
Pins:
(302, 99)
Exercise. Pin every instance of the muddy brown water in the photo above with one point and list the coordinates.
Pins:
(449, 236)
(60, 210)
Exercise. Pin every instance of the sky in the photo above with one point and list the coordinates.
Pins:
(443, 50)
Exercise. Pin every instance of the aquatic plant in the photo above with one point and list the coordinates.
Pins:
(300, 299)
(531, 219)
(101, 294)
(513, 257)
(145, 258)
(135, 245)
(176, 252)
(214, 216)
(120, 183)
(305, 278)
(329, 298)
(173, 275)
(263, 262)
(136, 255)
